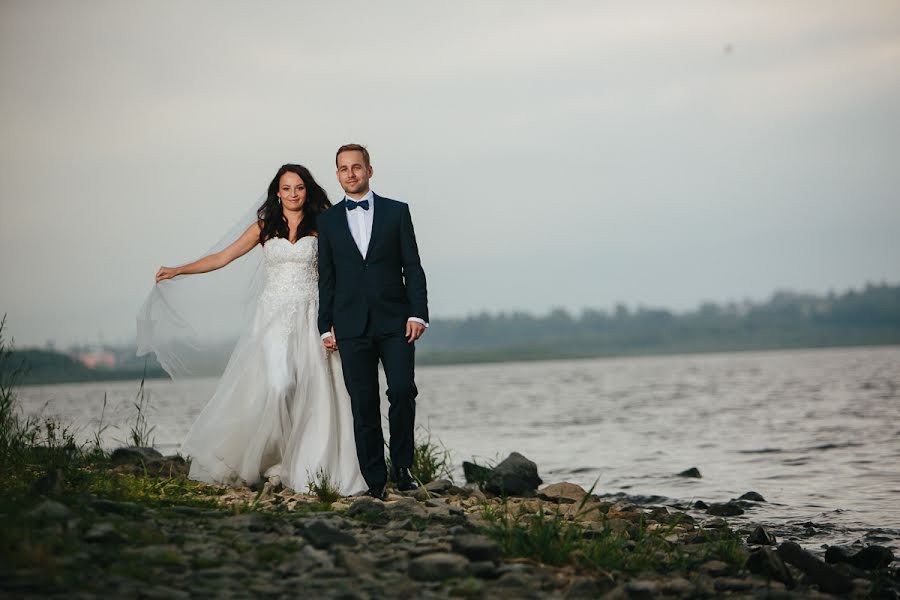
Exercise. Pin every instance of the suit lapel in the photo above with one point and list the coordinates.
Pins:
(377, 222)
(344, 226)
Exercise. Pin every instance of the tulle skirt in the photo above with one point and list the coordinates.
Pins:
(280, 408)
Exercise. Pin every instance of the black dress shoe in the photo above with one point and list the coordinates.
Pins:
(381, 494)
(405, 480)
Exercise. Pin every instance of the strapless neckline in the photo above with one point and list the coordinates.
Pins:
(289, 242)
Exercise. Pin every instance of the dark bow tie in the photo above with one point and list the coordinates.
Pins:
(363, 204)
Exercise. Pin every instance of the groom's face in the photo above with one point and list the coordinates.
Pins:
(353, 173)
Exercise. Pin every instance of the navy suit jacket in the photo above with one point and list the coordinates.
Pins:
(385, 288)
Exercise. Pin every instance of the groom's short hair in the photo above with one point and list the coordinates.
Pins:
(353, 148)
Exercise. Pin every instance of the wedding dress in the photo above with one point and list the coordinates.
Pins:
(281, 407)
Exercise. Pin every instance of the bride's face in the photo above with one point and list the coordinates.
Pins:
(292, 191)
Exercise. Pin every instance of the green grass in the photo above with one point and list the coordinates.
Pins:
(551, 538)
(431, 460)
(323, 487)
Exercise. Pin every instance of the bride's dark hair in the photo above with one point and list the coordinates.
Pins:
(273, 222)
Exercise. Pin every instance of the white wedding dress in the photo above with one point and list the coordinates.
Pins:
(281, 407)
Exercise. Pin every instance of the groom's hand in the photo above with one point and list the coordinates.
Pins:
(330, 342)
(414, 331)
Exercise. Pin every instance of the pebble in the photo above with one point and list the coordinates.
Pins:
(437, 566)
(476, 547)
(323, 534)
(564, 492)
(725, 509)
(761, 536)
(103, 533)
(50, 510)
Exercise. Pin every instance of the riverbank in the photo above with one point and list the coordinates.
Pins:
(130, 525)
(77, 521)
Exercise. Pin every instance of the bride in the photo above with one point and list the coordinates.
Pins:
(280, 407)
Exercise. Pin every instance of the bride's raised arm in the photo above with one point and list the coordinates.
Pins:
(237, 249)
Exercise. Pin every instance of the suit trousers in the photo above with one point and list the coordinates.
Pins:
(359, 359)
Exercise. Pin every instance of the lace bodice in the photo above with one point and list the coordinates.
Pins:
(291, 271)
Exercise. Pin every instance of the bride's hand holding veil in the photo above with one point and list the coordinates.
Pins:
(166, 273)
(212, 262)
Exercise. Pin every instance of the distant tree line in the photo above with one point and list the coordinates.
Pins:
(47, 366)
(787, 320)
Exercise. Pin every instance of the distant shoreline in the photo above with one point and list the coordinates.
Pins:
(424, 359)
(448, 360)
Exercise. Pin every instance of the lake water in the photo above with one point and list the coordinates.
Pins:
(816, 432)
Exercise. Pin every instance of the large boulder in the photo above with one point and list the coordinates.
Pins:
(515, 476)
(475, 473)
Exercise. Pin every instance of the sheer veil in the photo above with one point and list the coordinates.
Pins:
(192, 322)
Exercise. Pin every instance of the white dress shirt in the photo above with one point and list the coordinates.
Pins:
(360, 222)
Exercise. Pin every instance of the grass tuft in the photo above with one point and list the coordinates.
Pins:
(431, 460)
(142, 432)
(323, 487)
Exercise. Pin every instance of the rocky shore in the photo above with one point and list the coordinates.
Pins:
(144, 531)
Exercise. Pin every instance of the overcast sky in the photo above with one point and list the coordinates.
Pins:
(566, 154)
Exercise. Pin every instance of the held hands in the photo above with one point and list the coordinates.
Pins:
(414, 331)
(330, 342)
(166, 273)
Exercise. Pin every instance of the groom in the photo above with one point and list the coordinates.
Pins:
(373, 302)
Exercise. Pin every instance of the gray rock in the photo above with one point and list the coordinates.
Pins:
(160, 554)
(323, 534)
(103, 533)
(404, 508)
(825, 576)
(767, 562)
(641, 588)
(188, 511)
(251, 521)
(475, 473)
(676, 586)
(755, 497)
(320, 558)
(162, 592)
(437, 566)
(118, 508)
(583, 588)
(134, 455)
(725, 509)
(714, 523)
(761, 536)
(869, 558)
(476, 547)
(50, 510)
(482, 569)
(354, 562)
(732, 584)
(365, 507)
(404, 525)
(715, 568)
(514, 568)
(565, 492)
(515, 476)
(439, 486)
(455, 490)
(692, 472)
(516, 585)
